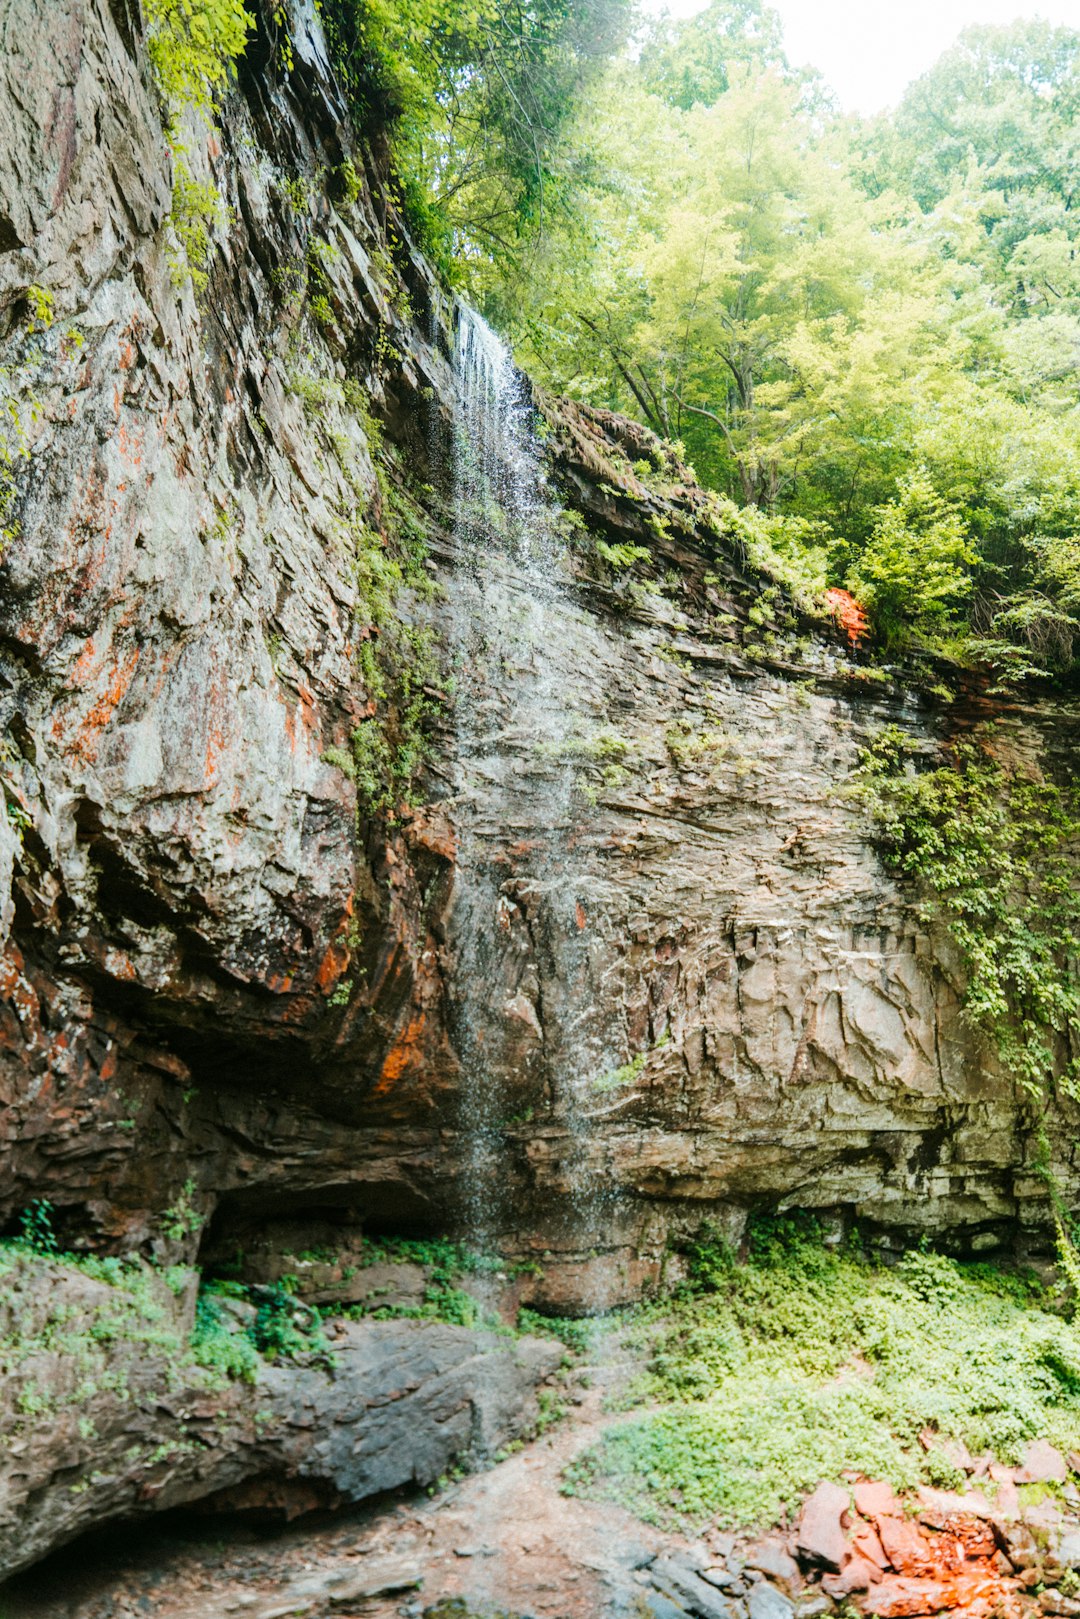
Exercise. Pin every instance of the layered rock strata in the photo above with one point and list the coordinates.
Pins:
(218, 976)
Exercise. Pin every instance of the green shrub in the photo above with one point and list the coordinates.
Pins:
(216, 1345)
(281, 1328)
(741, 1459)
(35, 1225)
(446, 1263)
(196, 209)
(917, 564)
(807, 1362)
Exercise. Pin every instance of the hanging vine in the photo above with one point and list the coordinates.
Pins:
(995, 852)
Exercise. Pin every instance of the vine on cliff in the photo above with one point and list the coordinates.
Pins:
(193, 46)
(994, 850)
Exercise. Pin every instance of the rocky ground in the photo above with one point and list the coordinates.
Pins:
(507, 1541)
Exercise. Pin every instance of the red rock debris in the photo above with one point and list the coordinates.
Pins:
(939, 1553)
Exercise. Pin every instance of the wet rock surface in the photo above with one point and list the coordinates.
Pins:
(215, 972)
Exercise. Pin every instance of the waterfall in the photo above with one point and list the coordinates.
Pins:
(529, 1029)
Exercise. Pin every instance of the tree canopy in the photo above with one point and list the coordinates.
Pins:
(871, 325)
(478, 95)
(866, 330)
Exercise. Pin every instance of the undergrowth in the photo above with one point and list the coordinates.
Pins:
(281, 1328)
(803, 1363)
(93, 1329)
(447, 1264)
(103, 1316)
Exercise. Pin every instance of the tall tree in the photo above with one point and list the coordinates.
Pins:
(478, 94)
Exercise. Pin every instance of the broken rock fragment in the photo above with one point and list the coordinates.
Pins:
(820, 1541)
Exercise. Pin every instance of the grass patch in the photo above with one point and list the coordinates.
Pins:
(802, 1363)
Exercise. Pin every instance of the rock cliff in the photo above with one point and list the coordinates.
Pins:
(234, 981)
(216, 971)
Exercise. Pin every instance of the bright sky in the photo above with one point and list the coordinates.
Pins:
(868, 50)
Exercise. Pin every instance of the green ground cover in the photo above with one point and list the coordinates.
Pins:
(762, 1378)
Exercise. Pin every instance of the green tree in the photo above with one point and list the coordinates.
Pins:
(477, 95)
(693, 65)
(739, 293)
(917, 565)
(815, 305)
(991, 134)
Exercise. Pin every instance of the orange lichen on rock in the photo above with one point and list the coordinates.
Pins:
(85, 744)
(974, 1594)
(338, 952)
(848, 613)
(405, 1051)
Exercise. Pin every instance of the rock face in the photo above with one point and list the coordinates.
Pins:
(107, 1417)
(220, 982)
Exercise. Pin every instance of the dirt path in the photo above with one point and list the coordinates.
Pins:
(505, 1537)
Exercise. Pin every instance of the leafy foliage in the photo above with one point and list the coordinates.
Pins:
(917, 563)
(36, 1227)
(196, 208)
(193, 44)
(478, 94)
(695, 64)
(994, 850)
(217, 1346)
(283, 1328)
(869, 327)
(182, 1219)
(806, 1362)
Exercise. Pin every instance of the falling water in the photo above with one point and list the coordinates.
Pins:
(528, 1023)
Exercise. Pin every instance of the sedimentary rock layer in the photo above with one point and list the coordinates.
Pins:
(217, 975)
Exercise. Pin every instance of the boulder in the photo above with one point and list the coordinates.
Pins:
(899, 1597)
(764, 1601)
(857, 1574)
(866, 1543)
(772, 1557)
(685, 1583)
(819, 1539)
(906, 1546)
(1041, 1463)
(399, 1402)
(1055, 1603)
(874, 1497)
